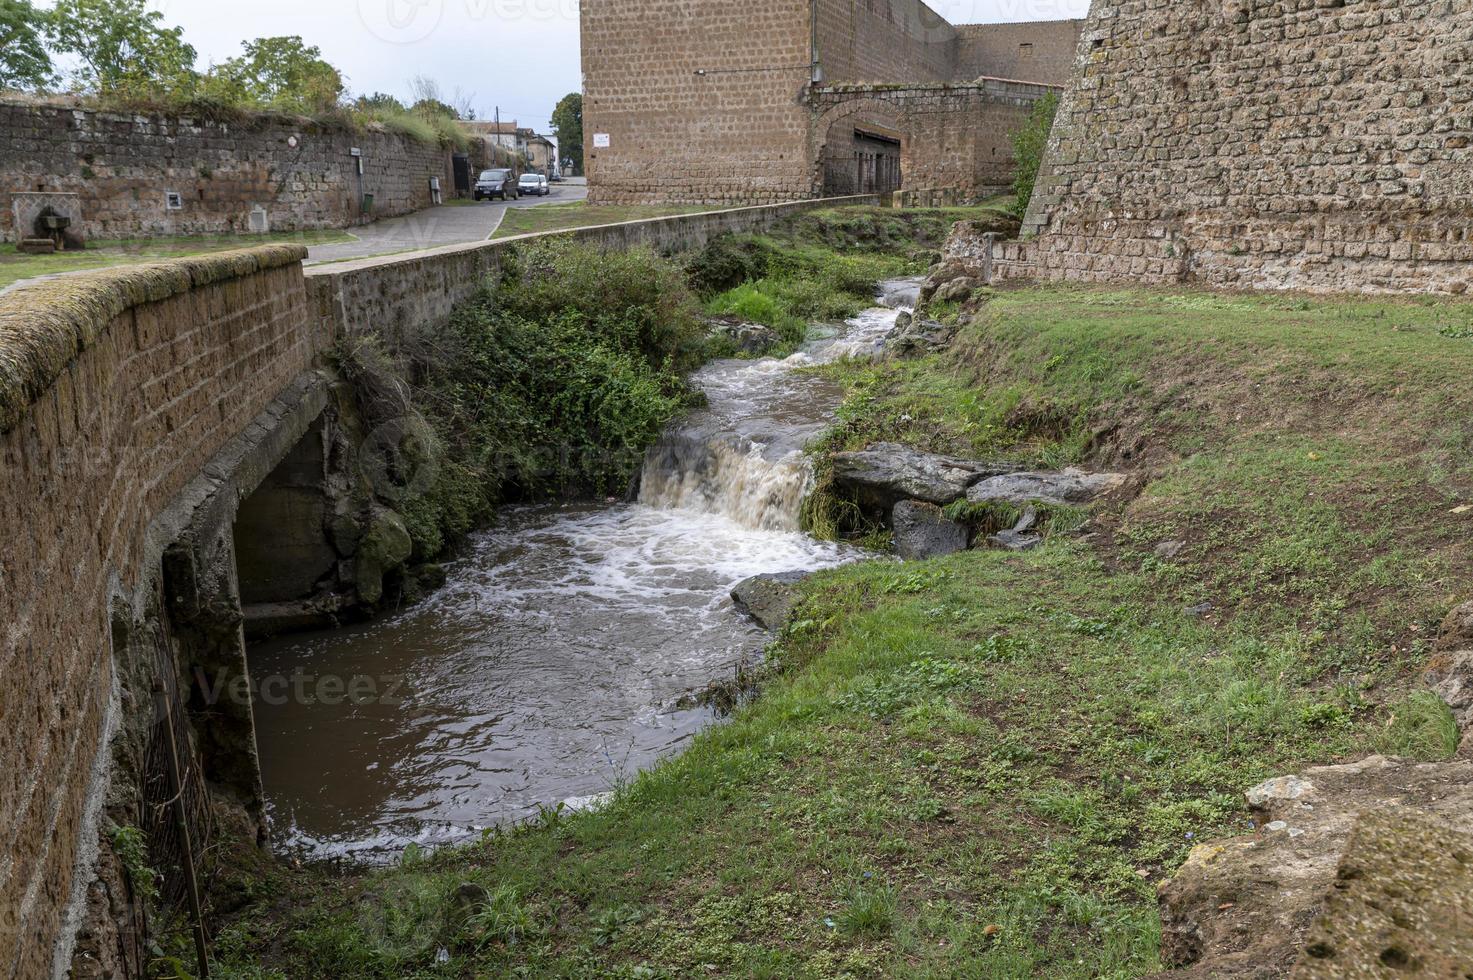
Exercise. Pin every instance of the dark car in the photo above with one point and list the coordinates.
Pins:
(496, 183)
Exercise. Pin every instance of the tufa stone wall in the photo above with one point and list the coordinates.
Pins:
(706, 103)
(1320, 145)
(123, 165)
(1042, 51)
(884, 41)
(116, 389)
(726, 136)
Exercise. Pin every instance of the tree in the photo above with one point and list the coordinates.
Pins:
(280, 72)
(121, 47)
(379, 102)
(24, 62)
(1029, 144)
(567, 124)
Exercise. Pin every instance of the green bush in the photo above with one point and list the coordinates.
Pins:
(1029, 144)
(554, 383)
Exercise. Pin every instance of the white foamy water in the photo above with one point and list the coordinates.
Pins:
(549, 667)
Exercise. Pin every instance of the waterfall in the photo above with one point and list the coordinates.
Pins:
(726, 475)
(742, 456)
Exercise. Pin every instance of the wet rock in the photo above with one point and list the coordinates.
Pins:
(885, 474)
(1402, 900)
(1021, 537)
(1242, 907)
(385, 546)
(919, 336)
(923, 531)
(1069, 487)
(749, 338)
(769, 599)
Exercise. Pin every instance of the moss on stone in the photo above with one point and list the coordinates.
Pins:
(46, 324)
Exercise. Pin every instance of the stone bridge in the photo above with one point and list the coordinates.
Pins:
(954, 138)
(144, 413)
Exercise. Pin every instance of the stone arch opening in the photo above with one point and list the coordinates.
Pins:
(861, 147)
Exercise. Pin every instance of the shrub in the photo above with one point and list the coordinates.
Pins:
(1029, 144)
(554, 383)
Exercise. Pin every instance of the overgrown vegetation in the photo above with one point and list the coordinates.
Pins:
(1029, 144)
(982, 765)
(552, 383)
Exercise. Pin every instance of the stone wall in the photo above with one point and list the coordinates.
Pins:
(1041, 51)
(404, 295)
(701, 102)
(954, 138)
(124, 165)
(1277, 144)
(705, 103)
(884, 41)
(116, 389)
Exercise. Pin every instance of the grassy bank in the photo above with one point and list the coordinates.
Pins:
(981, 765)
(15, 266)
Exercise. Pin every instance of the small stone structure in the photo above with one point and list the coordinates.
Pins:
(27, 209)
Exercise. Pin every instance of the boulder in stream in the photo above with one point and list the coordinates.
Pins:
(886, 473)
(749, 338)
(769, 599)
(923, 531)
(1069, 487)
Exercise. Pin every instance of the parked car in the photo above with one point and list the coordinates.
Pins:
(556, 176)
(496, 183)
(534, 184)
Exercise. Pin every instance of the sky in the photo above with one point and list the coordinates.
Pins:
(521, 55)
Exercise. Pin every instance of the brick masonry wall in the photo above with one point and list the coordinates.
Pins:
(744, 132)
(1280, 144)
(123, 164)
(1042, 51)
(733, 135)
(884, 41)
(954, 138)
(192, 356)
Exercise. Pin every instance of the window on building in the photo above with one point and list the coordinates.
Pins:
(1025, 52)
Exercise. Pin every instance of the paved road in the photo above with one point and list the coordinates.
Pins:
(433, 227)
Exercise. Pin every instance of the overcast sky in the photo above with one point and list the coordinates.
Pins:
(519, 54)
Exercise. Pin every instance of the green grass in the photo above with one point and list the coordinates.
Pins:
(15, 266)
(581, 214)
(982, 765)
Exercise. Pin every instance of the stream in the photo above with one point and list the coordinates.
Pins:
(551, 666)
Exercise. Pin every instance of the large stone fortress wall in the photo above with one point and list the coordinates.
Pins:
(709, 103)
(1303, 144)
(122, 165)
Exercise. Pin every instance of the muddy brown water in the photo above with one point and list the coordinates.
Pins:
(550, 667)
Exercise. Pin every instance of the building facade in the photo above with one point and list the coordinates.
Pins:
(777, 100)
